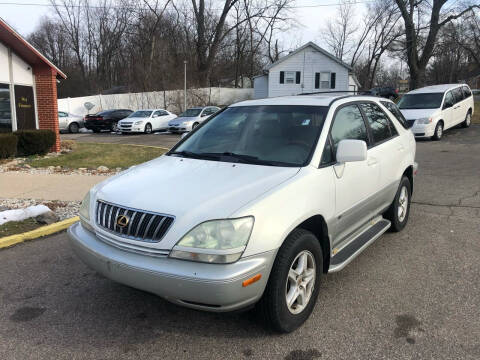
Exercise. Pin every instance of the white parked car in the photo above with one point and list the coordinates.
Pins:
(191, 118)
(146, 121)
(274, 193)
(433, 109)
(69, 122)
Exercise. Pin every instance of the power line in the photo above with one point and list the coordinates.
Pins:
(358, 2)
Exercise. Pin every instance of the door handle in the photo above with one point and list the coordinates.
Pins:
(456, 107)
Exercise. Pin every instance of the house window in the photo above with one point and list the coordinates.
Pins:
(322, 80)
(5, 110)
(290, 77)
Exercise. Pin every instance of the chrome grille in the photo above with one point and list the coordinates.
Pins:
(142, 225)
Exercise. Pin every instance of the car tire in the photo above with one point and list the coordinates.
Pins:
(148, 128)
(194, 125)
(437, 135)
(300, 245)
(73, 128)
(114, 127)
(399, 210)
(468, 120)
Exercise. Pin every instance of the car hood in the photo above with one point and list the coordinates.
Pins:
(130, 119)
(191, 190)
(414, 114)
(179, 120)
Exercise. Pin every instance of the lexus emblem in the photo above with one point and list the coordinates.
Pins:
(122, 220)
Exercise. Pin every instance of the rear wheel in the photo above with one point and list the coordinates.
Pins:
(194, 125)
(399, 210)
(294, 282)
(73, 128)
(468, 119)
(437, 135)
(148, 128)
(114, 127)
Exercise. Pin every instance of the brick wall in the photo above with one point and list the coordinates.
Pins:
(47, 109)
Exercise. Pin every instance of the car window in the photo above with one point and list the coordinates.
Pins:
(449, 100)
(62, 114)
(378, 121)
(458, 94)
(160, 113)
(190, 113)
(348, 124)
(466, 92)
(421, 101)
(395, 111)
(275, 135)
(208, 111)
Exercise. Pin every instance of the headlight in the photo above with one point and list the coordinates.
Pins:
(138, 122)
(424, 121)
(85, 212)
(216, 241)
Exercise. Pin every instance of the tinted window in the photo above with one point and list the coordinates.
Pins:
(62, 114)
(140, 114)
(458, 94)
(421, 101)
(449, 100)
(106, 112)
(348, 124)
(466, 92)
(265, 135)
(190, 113)
(5, 112)
(395, 112)
(378, 121)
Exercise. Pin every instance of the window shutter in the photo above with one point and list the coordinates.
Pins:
(297, 77)
(282, 77)
(333, 77)
(317, 80)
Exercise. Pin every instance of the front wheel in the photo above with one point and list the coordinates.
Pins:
(294, 282)
(437, 135)
(114, 127)
(399, 210)
(73, 128)
(194, 126)
(148, 128)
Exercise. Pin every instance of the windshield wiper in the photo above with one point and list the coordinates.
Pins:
(188, 154)
(246, 159)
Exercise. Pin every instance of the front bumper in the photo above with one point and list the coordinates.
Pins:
(210, 287)
(175, 129)
(423, 130)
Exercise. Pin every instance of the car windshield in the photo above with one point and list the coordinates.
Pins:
(421, 101)
(274, 135)
(190, 113)
(105, 112)
(141, 114)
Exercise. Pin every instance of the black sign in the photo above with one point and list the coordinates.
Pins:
(25, 107)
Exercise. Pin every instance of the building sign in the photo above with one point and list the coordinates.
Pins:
(25, 107)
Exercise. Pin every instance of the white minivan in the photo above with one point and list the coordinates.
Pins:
(432, 109)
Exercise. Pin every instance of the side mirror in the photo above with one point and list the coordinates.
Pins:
(351, 150)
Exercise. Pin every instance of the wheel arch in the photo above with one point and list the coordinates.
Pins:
(409, 174)
(317, 225)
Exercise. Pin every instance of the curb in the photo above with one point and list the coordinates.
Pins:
(41, 231)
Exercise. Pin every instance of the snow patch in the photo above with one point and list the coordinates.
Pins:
(22, 214)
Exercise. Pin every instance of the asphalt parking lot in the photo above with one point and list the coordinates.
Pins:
(161, 139)
(412, 295)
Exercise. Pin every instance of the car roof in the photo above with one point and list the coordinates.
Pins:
(310, 100)
(149, 109)
(435, 88)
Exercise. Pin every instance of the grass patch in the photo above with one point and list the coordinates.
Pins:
(91, 156)
(18, 227)
(476, 113)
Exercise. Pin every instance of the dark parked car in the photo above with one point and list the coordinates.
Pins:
(106, 120)
(384, 91)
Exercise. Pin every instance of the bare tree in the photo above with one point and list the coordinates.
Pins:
(420, 37)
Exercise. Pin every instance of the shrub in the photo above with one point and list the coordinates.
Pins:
(8, 145)
(34, 142)
(68, 145)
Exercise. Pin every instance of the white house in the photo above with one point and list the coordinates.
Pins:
(305, 70)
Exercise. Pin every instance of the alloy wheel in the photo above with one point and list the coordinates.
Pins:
(300, 282)
(402, 204)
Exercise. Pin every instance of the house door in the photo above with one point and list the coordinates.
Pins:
(25, 107)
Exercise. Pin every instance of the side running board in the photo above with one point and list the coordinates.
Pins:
(357, 245)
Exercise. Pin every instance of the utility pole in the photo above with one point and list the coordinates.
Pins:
(185, 86)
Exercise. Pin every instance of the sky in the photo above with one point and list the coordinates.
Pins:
(309, 16)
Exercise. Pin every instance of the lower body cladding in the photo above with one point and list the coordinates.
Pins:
(210, 287)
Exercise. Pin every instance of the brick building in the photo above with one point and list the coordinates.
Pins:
(28, 85)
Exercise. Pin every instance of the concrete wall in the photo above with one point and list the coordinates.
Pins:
(309, 61)
(170, 100)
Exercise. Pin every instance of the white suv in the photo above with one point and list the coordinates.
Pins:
(433, 109)
(274, 194)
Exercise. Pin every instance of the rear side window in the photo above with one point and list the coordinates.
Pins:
(458, 94)
(466, 92)
(449, 100)
(395, 111)
(348, 124)
(379, 123)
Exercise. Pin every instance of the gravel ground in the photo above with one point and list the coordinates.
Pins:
(63, 209)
